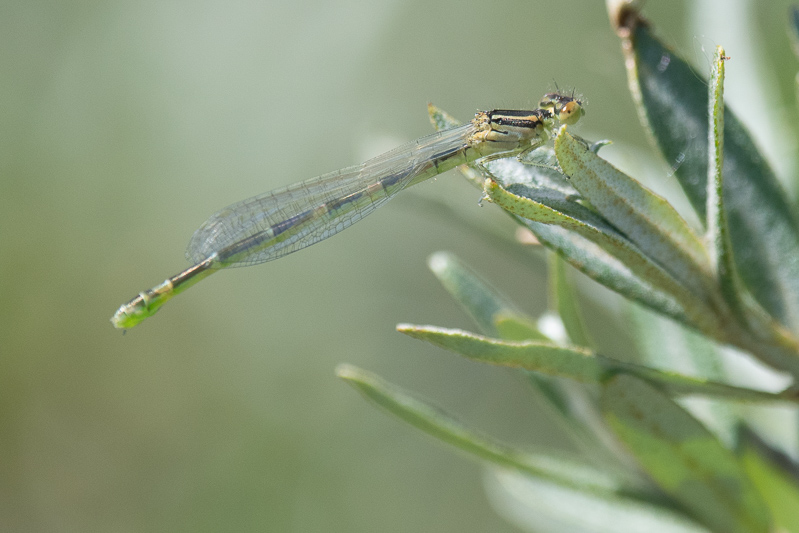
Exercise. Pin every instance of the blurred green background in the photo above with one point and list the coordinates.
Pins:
(126, 124)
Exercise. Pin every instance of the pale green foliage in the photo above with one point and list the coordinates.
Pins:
(660, 463)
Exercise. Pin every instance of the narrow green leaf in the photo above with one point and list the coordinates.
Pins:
(563, 299)
(440, 119)
(537, 505)
(580, 252)
(721, 255)
(673, 103)
(554, 209)
(778, 488)
(575, 363)
(553, 195)
(497, 316)
(683, 457)
(433, 421)
(517, 327)
(716, 221)
(561, 474)
(666, 345)
(488, 308)
(599, 265)
(645, 218)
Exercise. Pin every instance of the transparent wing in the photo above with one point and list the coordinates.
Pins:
(277, 223)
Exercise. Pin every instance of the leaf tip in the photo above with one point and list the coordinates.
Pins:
(408, 329)
(440, 119)
(625, 16)
(439, 262)
(562, 134)
(349, 372)
(432, 111)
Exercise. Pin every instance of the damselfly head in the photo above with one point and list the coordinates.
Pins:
(567, 109)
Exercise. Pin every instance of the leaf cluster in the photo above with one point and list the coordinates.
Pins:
(655, 461)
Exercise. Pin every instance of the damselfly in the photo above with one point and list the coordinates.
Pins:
(283, 221)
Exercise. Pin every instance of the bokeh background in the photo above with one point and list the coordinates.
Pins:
(124, 125)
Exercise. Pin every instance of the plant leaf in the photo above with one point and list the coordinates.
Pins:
(440, 119)
(577, 250)
(537, 505)
(550, 207)
(683, 457)
(567, 402)
(433, 421)
(673, 102)
(718, 235)
(560, 474)
(553, 193)
(645, 218)
(779, 489)
(599, 265)
(516, 327)
(575, 363)
(664, 344)
(563, 298)
(494, 314)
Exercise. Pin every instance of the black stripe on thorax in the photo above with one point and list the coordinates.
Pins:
(520, 119)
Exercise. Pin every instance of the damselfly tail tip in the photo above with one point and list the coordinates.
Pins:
(130, 314)
(121, 320)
